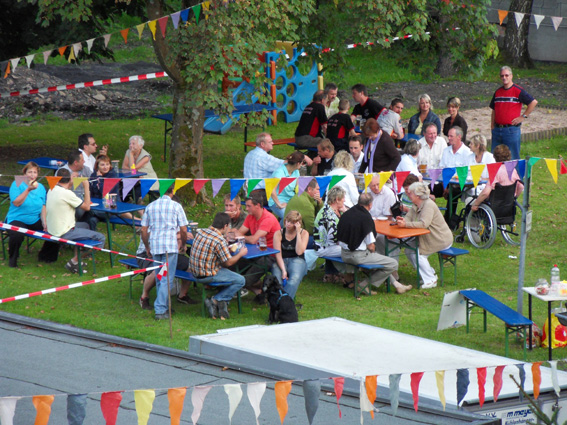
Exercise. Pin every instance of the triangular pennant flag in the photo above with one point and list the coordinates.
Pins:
(395, 392)
(185, 15)
(46, 55)
(255, 392)
(339, 384)
(109, 404)
(71, 56)
(234, 393)
(252, 183)
(284, 182)
(124, 34)
(476, 173)
(152, 27)
(76, 408)
(536, 377)
(556, 21)
(78, 180)
(323, 184)
(531, 163)
(365, 405)
(440, 381)
(196, 11)
(271, 184)
(163, 25)
(90, 45)
(7, 69)
(108, 185)
(434, 174)
(20, 179)
(145, 186)
(519, 16)
(52, 181)
(497, 382)
(311, 391)
(371, 383)
(179, 183)
(176, 396)
(502, 15)
(521, 168)
(165, 184)
(42, 404)
(14, 63)
(217, 185)
(415, 379)
(400, 179)
(538, 19)
(462, 384)
(493, 170)
(384, 177)
(552, 167)
(206, 6)
(554, 380)
(334, 180)
(522, 372)
(197, 399)
(77, 47)
(175, 19)
(235, 185)
(481, 379)
(282, 390)
(448, 174)
(510, 165)
(367, 179)
(144, 400)
(7, 409)
(127, 185)
(302, 183)
(198, 184)
(462, 173)
(140, 29)
(62, 50)
(106, 38)
(29, 59)
(563, 168)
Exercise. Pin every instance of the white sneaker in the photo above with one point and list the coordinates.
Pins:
(429, 285)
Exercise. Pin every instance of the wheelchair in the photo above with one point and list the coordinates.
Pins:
(497, 213)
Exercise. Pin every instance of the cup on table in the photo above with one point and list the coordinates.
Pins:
(115, 165)
(112, 201)
(231, 237)
(422, 168)
(262, 243)
(53, 162)
(241, 241)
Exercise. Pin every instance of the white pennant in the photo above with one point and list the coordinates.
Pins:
(538, 19)
(46, 55)
(14, 63)
(556, 21)
(255, 392)
(77, 47)
(198, 398)
(519, 16)
(554, 381)
(106, 39)
(234, 393)
(365, 405)
(90, 44)
(29, 59)
(7, 409)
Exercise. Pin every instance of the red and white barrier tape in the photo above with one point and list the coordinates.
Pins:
(76, 285)
(108, 81)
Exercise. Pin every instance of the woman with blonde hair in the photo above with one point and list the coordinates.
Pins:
(425, 114)
(342, 167)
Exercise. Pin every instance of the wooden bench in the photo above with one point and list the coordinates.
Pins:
(368, 267)
(275, 142)
(133, 263)
(449, 256)
(513, 321)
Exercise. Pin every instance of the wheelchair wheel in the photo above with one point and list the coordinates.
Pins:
(511, 233)
(481, 227)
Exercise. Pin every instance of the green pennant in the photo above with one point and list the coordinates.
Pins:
(165, 184)
(462, 173)
(252, 183)
(531, 163)
(334, 181)
(196, 12)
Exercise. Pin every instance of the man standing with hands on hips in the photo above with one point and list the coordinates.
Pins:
(507, 116)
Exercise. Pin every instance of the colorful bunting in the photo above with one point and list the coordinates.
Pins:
(497, 381)
(252, 183)
(339, 384)
(234, 393)
(20, 179)
(78, 180)
(124, 34)
(510, 166)
(108, 185)
(127, 185)
(556, 21)
(563, 168)
(395, 392)
(42, 404)
(282, 390)
(554, 380)
(46, 55)
(384, 177)
(7, 69)
(52, 181)
(198, 184)
(371, 384)
(29, 60)
(400, 179)
(62, 50)
(440, 381)
(365, 405)
(145, 186)
(531, 163)
(76, 408)
(152, 27)
(175, 19)
(493, 170)
(302, 183)
(415, 379)
(522, 372)
(7, 409)
(519, 17)
(311, 391)
(179, 183)
(109, 404)
(462, 384)
(144, 400)
(163, 24)
(334, 180)
(90, 45)
(140, 29)
(255, 391)
(481, 379)
(476, 173)
(198, 399)
(536, 376)
(448, 174)
(284, 182)
(176, 396)
(217, 185)
(197, 12)
(164, 185)
(184, 15)
(14, 63)
(537, 20)
(106, 38)
(271, 184)
(502, 15)
(552, 167)
(236, 185)
(462, 173)
(77, 47)
(367, 180)
(521, 168)
(71, 56)
(323, 183)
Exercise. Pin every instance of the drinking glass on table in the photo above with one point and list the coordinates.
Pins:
(231, 237)
(262, 243)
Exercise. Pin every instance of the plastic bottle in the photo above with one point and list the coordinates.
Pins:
(555, 280)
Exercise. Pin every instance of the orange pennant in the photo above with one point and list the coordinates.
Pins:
(282, 390)
(176, 396)
(502, 15)
(7, 70)
(124, 34)
(52, 181)
(536, 373)
(42, 404)
(371, 385)
(62, 50)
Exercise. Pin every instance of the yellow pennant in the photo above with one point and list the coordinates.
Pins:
(476, 172)
(367, 180)
(552, 167)
(440, 378)
(384, 177)
(179, 183)
(152, 26)
(270, 186)
(144, 400)
(78, 180)
(206, 6)
(140, 29)
(71, 55)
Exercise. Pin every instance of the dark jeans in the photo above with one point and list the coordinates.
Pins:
(17, 238)
(509, 136)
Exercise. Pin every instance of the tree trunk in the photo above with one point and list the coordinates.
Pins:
(445, 66)
(516, 38)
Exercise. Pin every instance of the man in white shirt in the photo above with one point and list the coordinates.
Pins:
(382, 201)
(332, 101)
(431, 147)
(87, 146)
(355, 147)
(389, 120)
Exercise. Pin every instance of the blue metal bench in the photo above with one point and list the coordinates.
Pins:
(449, 256)
(369, 267)
(514, 321)
(133, 263)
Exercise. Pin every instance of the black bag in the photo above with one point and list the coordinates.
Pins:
(396, 209)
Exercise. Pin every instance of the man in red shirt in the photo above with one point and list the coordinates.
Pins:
(313, 122)
(507, 116)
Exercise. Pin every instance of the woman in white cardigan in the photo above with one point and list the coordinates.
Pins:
(343, 163)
